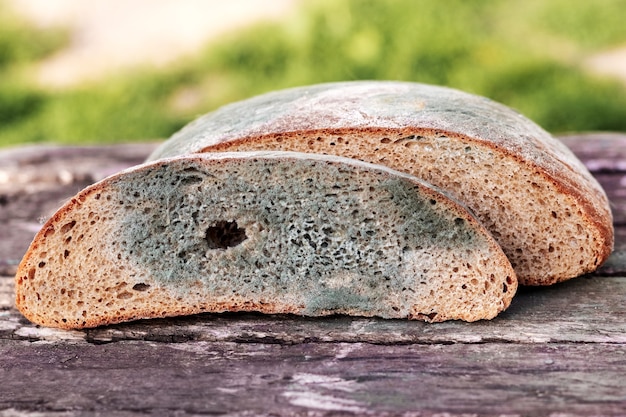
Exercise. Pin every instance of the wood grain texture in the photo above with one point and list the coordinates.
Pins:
(557, 351)
(309, 379)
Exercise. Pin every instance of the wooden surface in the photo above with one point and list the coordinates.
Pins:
(556, 351)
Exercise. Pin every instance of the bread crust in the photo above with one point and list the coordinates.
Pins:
(400, 109)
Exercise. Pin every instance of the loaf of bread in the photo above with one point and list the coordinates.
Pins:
(537, 199)
(275, 232)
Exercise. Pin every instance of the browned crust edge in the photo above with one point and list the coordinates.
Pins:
(39, 240)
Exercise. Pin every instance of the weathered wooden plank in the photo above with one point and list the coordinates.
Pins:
(614, 184)
(325, 379)
(599, 151)
(583, 310)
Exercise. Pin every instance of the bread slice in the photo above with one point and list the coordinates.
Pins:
(270, 232)
(538, 200)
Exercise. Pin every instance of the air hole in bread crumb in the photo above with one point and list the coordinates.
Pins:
(124, 295)
(68, 226)
(427, 317)
(141, 287)
(224, 235)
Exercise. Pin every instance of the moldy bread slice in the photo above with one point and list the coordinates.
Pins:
(275, 232)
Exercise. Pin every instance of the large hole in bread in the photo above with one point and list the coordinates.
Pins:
(224, 235)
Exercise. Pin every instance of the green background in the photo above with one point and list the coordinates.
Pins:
(527, 54)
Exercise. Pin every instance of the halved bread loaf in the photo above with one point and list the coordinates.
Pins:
(272, 232)
(538, 200)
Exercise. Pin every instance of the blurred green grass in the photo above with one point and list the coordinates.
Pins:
(524, 53)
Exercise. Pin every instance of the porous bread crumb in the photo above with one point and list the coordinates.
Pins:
(270, 232)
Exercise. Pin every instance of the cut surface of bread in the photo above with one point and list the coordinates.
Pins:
(275, 232)
(548, 213)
